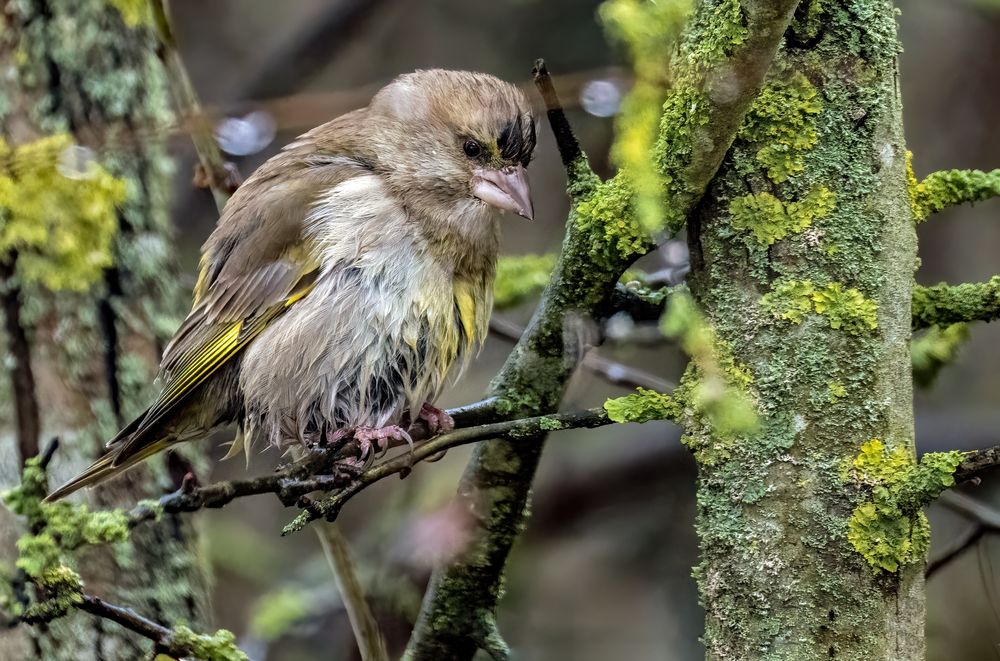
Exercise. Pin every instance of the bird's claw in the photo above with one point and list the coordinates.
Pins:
(437, 420)
(374, 441)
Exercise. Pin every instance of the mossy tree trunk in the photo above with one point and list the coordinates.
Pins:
(803, 254)
(80, 68)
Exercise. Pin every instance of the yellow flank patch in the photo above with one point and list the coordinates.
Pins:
(465, 303)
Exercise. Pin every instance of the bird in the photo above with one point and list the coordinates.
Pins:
(348, 278)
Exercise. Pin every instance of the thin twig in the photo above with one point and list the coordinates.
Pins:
(511, 430)
(984, 520)
(128, 618)
(292, 483)
(976, 462)
(569, 146)
(363, 623)
(220, 177)
(613, 372)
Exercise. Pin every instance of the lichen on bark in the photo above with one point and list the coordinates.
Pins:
(73, 67)
(821, 319)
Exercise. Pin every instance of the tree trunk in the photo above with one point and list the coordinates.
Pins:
(77, 67)
(804, 241)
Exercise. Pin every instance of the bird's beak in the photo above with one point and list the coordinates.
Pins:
(505, 189)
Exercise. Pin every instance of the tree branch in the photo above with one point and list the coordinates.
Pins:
(569, 147)
(178, 643)
(977, 462)
(303, 477)
(948, 304)
(949, 188)
(363, 623)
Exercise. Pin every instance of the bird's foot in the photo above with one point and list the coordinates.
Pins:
(375, 441)
(436, 419)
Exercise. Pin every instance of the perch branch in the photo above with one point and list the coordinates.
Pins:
(292, 483)
(521, 430)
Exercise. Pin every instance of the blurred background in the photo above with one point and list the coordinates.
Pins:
(604, 568)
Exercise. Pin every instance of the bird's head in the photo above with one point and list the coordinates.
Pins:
(455, 145)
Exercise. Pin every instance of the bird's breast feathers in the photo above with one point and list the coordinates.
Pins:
(385, 324)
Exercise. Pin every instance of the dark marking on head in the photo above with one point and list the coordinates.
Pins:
(517, 140)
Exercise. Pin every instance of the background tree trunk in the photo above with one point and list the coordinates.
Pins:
(778, 576)
(76, 66)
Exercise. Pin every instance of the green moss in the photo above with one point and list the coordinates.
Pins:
(837, 390)
(550, 424)
(770, 219)
(219, 646)
(716, 28)
(808, 19)
(682, 123)
(59, 216)
(934, 350)
(520, 278)
(781, 125)
(608, 215)
(845, 309)
(945, 304)
(948, 188)
(59, 526)
(63, 589)
(887, 528)
(717, 406)
(642, 406)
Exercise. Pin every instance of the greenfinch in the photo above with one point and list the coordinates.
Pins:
(348, 277)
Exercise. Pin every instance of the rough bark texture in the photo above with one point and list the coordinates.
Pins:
(810, 203)
(74, 66)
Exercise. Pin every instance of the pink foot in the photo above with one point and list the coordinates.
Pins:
(375, 441)
(436, 419)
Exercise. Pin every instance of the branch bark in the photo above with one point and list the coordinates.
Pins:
(949, 304)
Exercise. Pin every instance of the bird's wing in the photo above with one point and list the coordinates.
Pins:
(254, 268)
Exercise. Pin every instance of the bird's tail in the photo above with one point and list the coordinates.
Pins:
(109, 465)
(122, 454)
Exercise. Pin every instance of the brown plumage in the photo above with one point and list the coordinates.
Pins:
(348, 275)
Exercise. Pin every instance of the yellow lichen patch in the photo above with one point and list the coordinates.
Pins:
(59, 215)
(781, 125)
(844, 308)
(888, 527)
(771, 220)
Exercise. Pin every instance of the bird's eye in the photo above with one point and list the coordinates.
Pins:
(472, 148)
